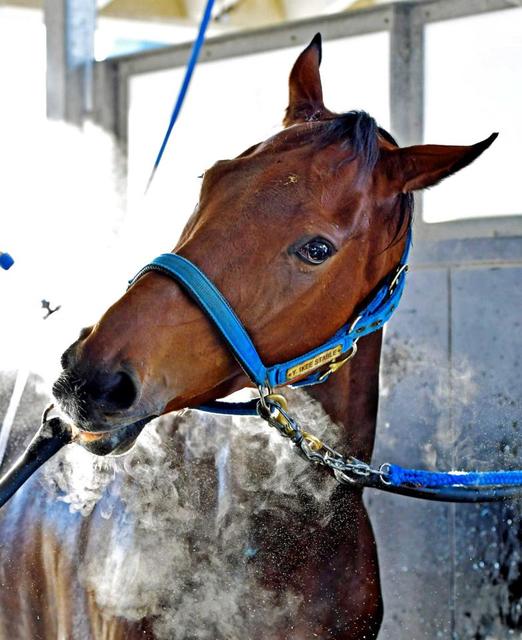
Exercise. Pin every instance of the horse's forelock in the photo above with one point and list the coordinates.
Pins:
(357, 132)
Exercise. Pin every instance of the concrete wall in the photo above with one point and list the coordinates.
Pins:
(451, 398)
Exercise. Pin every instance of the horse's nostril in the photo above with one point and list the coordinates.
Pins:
(115, 391)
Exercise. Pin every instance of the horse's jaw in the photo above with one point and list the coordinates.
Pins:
(115, 442)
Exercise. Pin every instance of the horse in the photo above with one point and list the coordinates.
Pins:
(297, 232)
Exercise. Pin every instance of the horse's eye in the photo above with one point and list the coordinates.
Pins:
(315, 251)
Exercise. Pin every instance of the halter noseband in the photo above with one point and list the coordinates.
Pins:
(307, 369)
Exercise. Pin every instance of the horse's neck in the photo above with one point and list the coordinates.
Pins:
(350, 397)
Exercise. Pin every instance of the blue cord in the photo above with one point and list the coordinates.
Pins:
(416, 477)
(194, 54)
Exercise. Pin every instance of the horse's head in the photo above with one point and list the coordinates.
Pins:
(296, 232)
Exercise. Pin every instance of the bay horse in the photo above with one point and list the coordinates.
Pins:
(297, 232)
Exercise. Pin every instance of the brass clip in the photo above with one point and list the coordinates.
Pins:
(277, 398)
(312, 441)
(337, 364)
(280, 400)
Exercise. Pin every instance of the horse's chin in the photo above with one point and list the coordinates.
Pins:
(115, 442)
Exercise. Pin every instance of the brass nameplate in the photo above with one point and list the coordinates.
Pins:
(314, 363)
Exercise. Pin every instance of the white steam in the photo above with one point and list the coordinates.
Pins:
(174, 520)
(442, 396)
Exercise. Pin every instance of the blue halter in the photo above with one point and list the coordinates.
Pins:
(307, 369)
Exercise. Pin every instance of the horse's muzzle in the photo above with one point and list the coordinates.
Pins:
(96, 400)
(102, 406)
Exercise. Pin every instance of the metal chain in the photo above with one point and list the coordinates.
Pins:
(273, 409)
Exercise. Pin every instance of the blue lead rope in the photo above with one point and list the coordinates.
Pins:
(194, 55)
(398, 476)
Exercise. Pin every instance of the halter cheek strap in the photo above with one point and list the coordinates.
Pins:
(306, 369)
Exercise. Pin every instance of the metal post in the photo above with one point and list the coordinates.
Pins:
(110, 111)
(106, 89)
(70, 28)
(407, 85)
(407, 74)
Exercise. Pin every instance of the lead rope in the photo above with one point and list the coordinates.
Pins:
(429, 485)
(54, 434)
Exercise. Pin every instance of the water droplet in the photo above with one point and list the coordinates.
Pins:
(106, 511)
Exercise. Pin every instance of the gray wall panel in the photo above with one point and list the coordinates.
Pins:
(413, 536)
(451, 399)
(487, 341)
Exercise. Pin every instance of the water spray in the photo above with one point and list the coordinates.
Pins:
(54, 433)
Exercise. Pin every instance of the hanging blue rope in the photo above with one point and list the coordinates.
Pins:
(194, 55)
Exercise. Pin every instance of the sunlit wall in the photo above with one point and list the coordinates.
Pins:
(474, 87)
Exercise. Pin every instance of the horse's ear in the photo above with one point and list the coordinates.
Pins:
(421, 166)
(306, 93)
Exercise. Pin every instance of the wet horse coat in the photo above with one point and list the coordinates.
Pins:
(297, 232)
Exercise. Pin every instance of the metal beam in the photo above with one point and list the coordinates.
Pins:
(260, 40)
(340, 25)
(70, 52)
(406, 90)
(486, 227)
(436, 10)
(407, 74)
(111, 106)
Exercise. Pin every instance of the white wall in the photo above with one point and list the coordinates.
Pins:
(474, 87)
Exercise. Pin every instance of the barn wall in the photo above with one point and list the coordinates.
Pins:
(451, 398)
